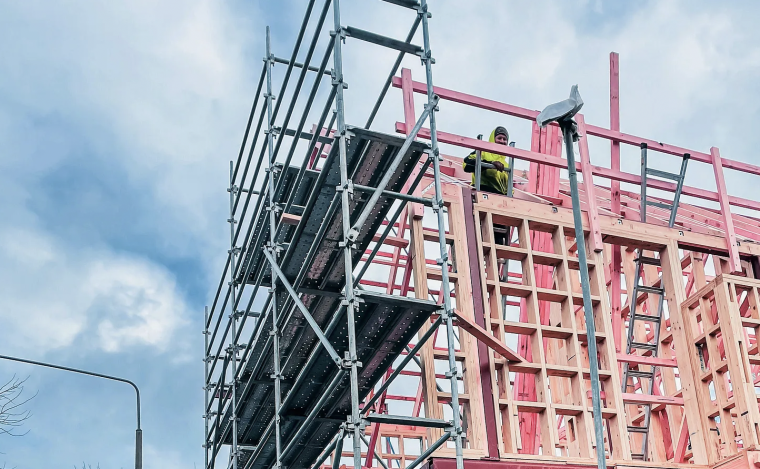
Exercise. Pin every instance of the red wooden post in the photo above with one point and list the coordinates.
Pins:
(485, 338)
(409, 119)
(588, 186)
(617, 257)
(728, 222)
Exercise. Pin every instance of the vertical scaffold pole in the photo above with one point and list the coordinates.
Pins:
(232, 351)
(206, 381)
(444, 262)
(346, 190)
(272, 248)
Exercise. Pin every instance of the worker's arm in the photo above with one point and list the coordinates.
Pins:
(469, 164)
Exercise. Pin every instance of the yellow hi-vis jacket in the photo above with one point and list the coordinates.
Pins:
(490, 179)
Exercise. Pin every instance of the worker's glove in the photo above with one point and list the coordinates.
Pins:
(498, 165)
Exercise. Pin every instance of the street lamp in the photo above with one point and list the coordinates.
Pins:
(138, 432)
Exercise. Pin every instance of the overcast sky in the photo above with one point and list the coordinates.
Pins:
(118, 120)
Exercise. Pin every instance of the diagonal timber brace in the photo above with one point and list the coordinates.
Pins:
(488, 339)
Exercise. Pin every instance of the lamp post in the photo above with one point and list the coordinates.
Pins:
(138, 432)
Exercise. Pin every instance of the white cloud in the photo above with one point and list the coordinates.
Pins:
(54, 296)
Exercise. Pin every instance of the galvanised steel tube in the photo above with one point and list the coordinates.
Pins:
(313, 413)
(389, 172)
(392, 220)
(312, 145)
(350, 301)
(250, 120)
(303, 374)
(444, 260)
(304, 310)
(271, 252)
(420, 342)
(327, 451)
(285, 80)
(232, 350)
(588, 309)
(302, 76)
(374, 451)
(338, 449)
(389, 80)
(395, 195)
(430, 450)
(307, 108)
(205, 390)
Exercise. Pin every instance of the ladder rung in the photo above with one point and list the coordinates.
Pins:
(648, 260)
(660, 204)
(652, 290)
(663, 174)
(644, 346)
(633, 429)
(646, 317)
(640, 374)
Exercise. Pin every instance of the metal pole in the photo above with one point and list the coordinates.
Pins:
(478, 168)
(354, 422)
(205, 386)
(232, 351)
(389, 172)
(272, 249)
(409, 356)
(444, 260)
(138, 432)
(567, 132)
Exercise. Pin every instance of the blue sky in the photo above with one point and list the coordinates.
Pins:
(118, 119)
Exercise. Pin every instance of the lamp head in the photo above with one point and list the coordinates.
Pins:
(563, 110)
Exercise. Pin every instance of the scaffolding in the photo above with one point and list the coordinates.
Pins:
(312, 294)
(310, 336)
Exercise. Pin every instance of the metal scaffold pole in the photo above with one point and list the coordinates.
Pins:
(346, 191)
(273, 250)
(205, 387)
(443, 261)
(232, 351)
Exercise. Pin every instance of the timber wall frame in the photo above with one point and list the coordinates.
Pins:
(499, 374)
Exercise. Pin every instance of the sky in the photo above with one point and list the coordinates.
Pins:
(118, 121)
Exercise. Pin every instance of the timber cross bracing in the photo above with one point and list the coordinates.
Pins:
(459, 339)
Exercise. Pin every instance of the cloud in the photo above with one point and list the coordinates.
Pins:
(55, 296)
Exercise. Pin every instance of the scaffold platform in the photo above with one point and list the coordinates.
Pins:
(384, 323)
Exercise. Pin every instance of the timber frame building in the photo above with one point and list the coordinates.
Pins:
(459, 338)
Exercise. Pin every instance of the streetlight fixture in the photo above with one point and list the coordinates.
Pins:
(138, 432)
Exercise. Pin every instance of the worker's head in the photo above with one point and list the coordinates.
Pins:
(501, 136)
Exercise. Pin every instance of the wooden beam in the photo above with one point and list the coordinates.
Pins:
(588, 185)
(728, 222)
(607, 173)
(688, 364)
(596, 131)
(644, 399)
(484, 336)
(652, 361)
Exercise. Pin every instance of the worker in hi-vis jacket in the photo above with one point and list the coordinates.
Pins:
(494, 179)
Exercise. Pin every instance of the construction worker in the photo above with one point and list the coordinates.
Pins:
(494, 178)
